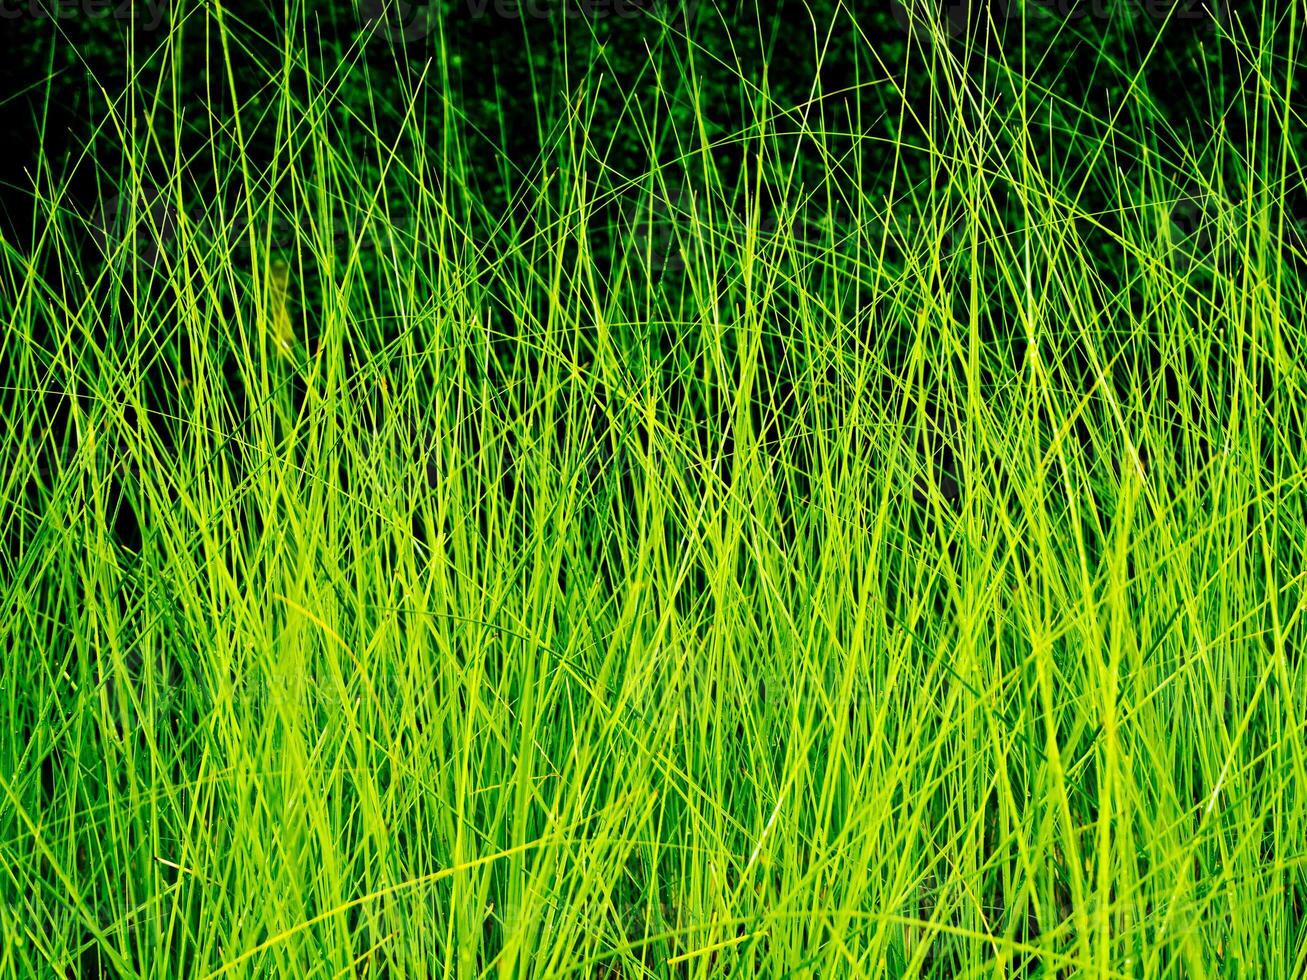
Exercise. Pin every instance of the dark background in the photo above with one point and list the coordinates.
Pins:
(55, 58)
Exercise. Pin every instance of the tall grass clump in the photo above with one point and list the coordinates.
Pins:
(790, 540)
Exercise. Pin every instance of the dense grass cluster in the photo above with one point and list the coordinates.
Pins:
(842, 547)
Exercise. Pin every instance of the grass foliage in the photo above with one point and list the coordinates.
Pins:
(841, 546)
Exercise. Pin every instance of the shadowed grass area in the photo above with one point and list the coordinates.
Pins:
(838, 546)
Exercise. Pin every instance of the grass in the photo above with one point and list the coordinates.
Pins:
(879, 558)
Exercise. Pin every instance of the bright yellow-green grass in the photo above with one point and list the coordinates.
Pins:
(879, 558)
